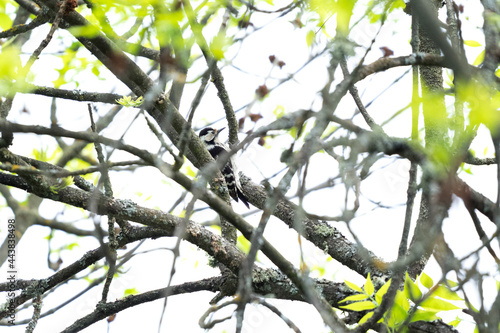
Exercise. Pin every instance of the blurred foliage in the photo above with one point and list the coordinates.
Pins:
(11, 79)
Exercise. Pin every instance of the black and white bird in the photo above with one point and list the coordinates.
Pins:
(216, 148)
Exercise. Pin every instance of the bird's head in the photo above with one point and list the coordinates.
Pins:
(210, 135)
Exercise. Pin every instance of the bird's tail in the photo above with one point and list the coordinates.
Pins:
(242, 197)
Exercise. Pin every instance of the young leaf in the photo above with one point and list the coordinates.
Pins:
(71, 246)
(279, 111)
(485, 151)
(5, 21)
(443, 292)
(402, 301)
(426, 281)
(397, 4)
(424, 315)
(365, 317)
(128, 102)
(411, 290)
(436, 304)
(353, 286)
(357, 297)
(190, 172)
(243, 244)
(219, 45)
(310, 37)
(10, 65)
(381, 292)
(479, 59)
(61, 184)
(471, 43)
(130, 291)
(344, 13)
(455, 322)
(359, 306)
(369, 285)
(397, 315)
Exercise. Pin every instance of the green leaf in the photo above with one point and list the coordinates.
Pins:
(329, 130)
(471, 307)
(279, 111)
(324, 8)
(369, 285)
(190, 172)
(365, 317)
(424, 315)
(127, 101)
(72, 245)
(357, 297)
(219, 45)
(479, 59)
(10, 68)
(320, 269)
(59, 81)
(399, 311)
(411, 290)
(353, 286)
(465, 169)
(243, 244)
(397, 4)
(455, 322)
(444, 292)
(426, 281)
(344, 13)
(360, 306)
(402, 301)
(436, 304)
(310, 37)
(130, 291)
(95, 70)
(472, 43)
(5, 21)
(375, 17)
(484, 105)
(61, 184)
(88, 31)
(382, 291)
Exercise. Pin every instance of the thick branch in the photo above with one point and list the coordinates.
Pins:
(110, 308)
(75, 95)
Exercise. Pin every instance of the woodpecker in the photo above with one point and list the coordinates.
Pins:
(216, 148)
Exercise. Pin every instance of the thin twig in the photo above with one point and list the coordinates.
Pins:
(46, 41)
(108, 191)
(21, 28)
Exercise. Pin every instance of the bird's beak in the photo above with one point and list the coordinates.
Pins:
(218, 131)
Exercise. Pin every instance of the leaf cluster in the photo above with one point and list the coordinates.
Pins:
(412, 303)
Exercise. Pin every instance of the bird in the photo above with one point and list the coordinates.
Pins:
(216, 148)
